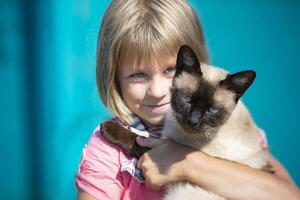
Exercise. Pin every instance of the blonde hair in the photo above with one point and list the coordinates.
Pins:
(142, 30)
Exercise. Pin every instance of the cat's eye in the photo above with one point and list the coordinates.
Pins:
(213, 110)
(185, 97)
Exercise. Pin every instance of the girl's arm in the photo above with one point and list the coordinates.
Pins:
(82, 195)
(99, 174)
(280, 171)
(169, 162)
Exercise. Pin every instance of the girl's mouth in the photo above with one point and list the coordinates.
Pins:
(157, 105)
(157, 108)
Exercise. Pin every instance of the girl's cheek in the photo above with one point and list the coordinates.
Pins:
(136, 91)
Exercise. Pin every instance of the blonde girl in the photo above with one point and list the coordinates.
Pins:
(137, 46)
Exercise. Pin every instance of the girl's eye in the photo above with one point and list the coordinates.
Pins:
(213, 110)
(138, 76)
(170, 70)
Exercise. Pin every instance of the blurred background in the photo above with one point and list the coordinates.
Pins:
(49, 103)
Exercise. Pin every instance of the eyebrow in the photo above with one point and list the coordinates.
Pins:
(143, 67)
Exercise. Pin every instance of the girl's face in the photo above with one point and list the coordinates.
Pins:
(146, 88)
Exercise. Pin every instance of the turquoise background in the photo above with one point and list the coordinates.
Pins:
(49, 103)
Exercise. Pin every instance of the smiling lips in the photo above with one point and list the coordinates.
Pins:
(158, 105)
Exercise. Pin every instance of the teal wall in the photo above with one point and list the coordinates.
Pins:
(49, 103)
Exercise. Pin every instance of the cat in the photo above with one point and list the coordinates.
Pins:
(206, 114)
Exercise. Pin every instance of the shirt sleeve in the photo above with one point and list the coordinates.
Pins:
(99, 169)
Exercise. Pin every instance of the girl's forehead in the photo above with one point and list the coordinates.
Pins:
(154, 63)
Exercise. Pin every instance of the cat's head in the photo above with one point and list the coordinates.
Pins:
(201, 105)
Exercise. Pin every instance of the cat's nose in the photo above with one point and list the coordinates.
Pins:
(194, 118)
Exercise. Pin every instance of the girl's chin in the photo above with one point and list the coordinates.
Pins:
(158, 120)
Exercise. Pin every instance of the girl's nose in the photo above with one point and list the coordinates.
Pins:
(159, 87)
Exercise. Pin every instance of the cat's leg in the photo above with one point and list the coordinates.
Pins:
(116, 133)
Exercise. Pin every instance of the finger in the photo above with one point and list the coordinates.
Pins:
(139, 162)
(148, 142)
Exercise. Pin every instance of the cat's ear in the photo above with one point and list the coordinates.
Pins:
(239, 82)
(187, 61)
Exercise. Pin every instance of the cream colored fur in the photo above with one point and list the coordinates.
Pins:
(236, 140)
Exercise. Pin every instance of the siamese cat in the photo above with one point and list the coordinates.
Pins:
(206, 114)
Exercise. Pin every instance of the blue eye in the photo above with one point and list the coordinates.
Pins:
(139, 75)
(213, 110)
(186, 98)
(170, 70)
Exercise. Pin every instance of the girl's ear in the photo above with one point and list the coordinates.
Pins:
(239, 82)
(187, 61)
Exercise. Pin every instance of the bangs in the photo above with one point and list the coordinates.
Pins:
(146, 44)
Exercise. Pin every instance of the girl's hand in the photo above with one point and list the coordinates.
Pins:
(164, 164)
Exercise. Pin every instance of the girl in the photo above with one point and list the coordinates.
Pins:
(137, 47)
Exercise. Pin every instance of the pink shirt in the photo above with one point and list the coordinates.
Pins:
(99, 173)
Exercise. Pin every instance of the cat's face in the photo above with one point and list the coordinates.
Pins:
(199, 105)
